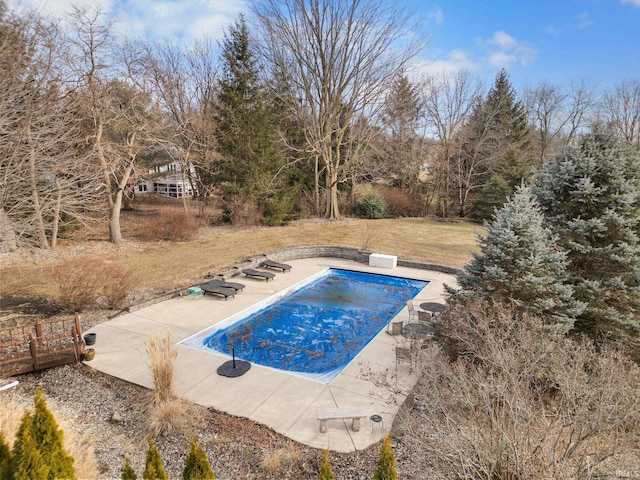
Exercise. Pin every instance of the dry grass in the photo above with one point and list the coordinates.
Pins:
(276, 460)
(168, 414)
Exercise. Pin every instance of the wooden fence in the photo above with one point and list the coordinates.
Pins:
(43, 345)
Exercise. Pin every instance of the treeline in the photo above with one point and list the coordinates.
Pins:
(287, 120)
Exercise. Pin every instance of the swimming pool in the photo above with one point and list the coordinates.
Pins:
(317, 328)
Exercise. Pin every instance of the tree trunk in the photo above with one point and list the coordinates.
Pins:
(41, 233)
(56, 215)
(8, 241)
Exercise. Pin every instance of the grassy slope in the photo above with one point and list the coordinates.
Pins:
(166, 266)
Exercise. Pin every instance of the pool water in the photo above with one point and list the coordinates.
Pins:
(318, 328)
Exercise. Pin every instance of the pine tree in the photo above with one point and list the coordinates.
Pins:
(196, 465)
(499, 139)
(49, 440)
(26, 461)
(386, 468)
(325, 468)
(5, 459)
(519, 262)
(246, 119)
(590, 197)
(127, 471)
(154, 470)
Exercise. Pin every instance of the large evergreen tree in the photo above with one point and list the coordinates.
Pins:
(590, 197)
(497, 140)
(520, 263)
(247, 126)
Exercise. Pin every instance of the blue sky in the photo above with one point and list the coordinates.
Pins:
(537, 40)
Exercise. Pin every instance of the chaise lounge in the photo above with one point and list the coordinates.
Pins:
(277, 265)
(218, 290)
(250, 272)
(223, 283)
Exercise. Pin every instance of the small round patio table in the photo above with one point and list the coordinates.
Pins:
(433, 307)
(415, 331)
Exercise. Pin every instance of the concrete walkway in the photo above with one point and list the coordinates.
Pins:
(281, 401)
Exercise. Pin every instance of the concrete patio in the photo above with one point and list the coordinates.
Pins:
(284, 402)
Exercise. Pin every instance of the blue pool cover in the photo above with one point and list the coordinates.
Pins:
(317, 329)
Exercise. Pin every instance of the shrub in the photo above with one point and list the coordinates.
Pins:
(526, 402)
(372, 205)
(401, 203)
(79, 283)
(49, 441)
(117, 281)
(386, 468)
(162, 357)
(242, 210)
(170, 225)
(154, 470)
(127, 471)
(196, 465)
(325, 468)
(5, 458)
(26, 461)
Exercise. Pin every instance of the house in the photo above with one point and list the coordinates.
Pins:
(169, 180)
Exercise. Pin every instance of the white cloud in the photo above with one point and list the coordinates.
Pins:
(584, 20)
(635, 3)
(503, 50)
(58, 8)
(456, 61)
(501, 59)
(174, 19)
(436, 15)
(502, 40)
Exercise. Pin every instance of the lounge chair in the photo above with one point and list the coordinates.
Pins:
(250, 272)
(277, 265)
(217, 290)
(223, 283)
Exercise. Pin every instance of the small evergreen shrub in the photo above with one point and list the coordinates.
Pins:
(26, 461)
(154, 470)
(325, 468)
(196, 465)
(127, 471)
(5, 459)
(386, 468)
(372, 206)
(49, 441)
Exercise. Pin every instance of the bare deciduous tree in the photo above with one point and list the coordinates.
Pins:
(338, 57)
(118, 112)
(449, 100)
(620, 109)
(557, 114)
(184, 81)
(44, 183)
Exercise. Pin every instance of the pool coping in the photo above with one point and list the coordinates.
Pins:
(281, 401)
